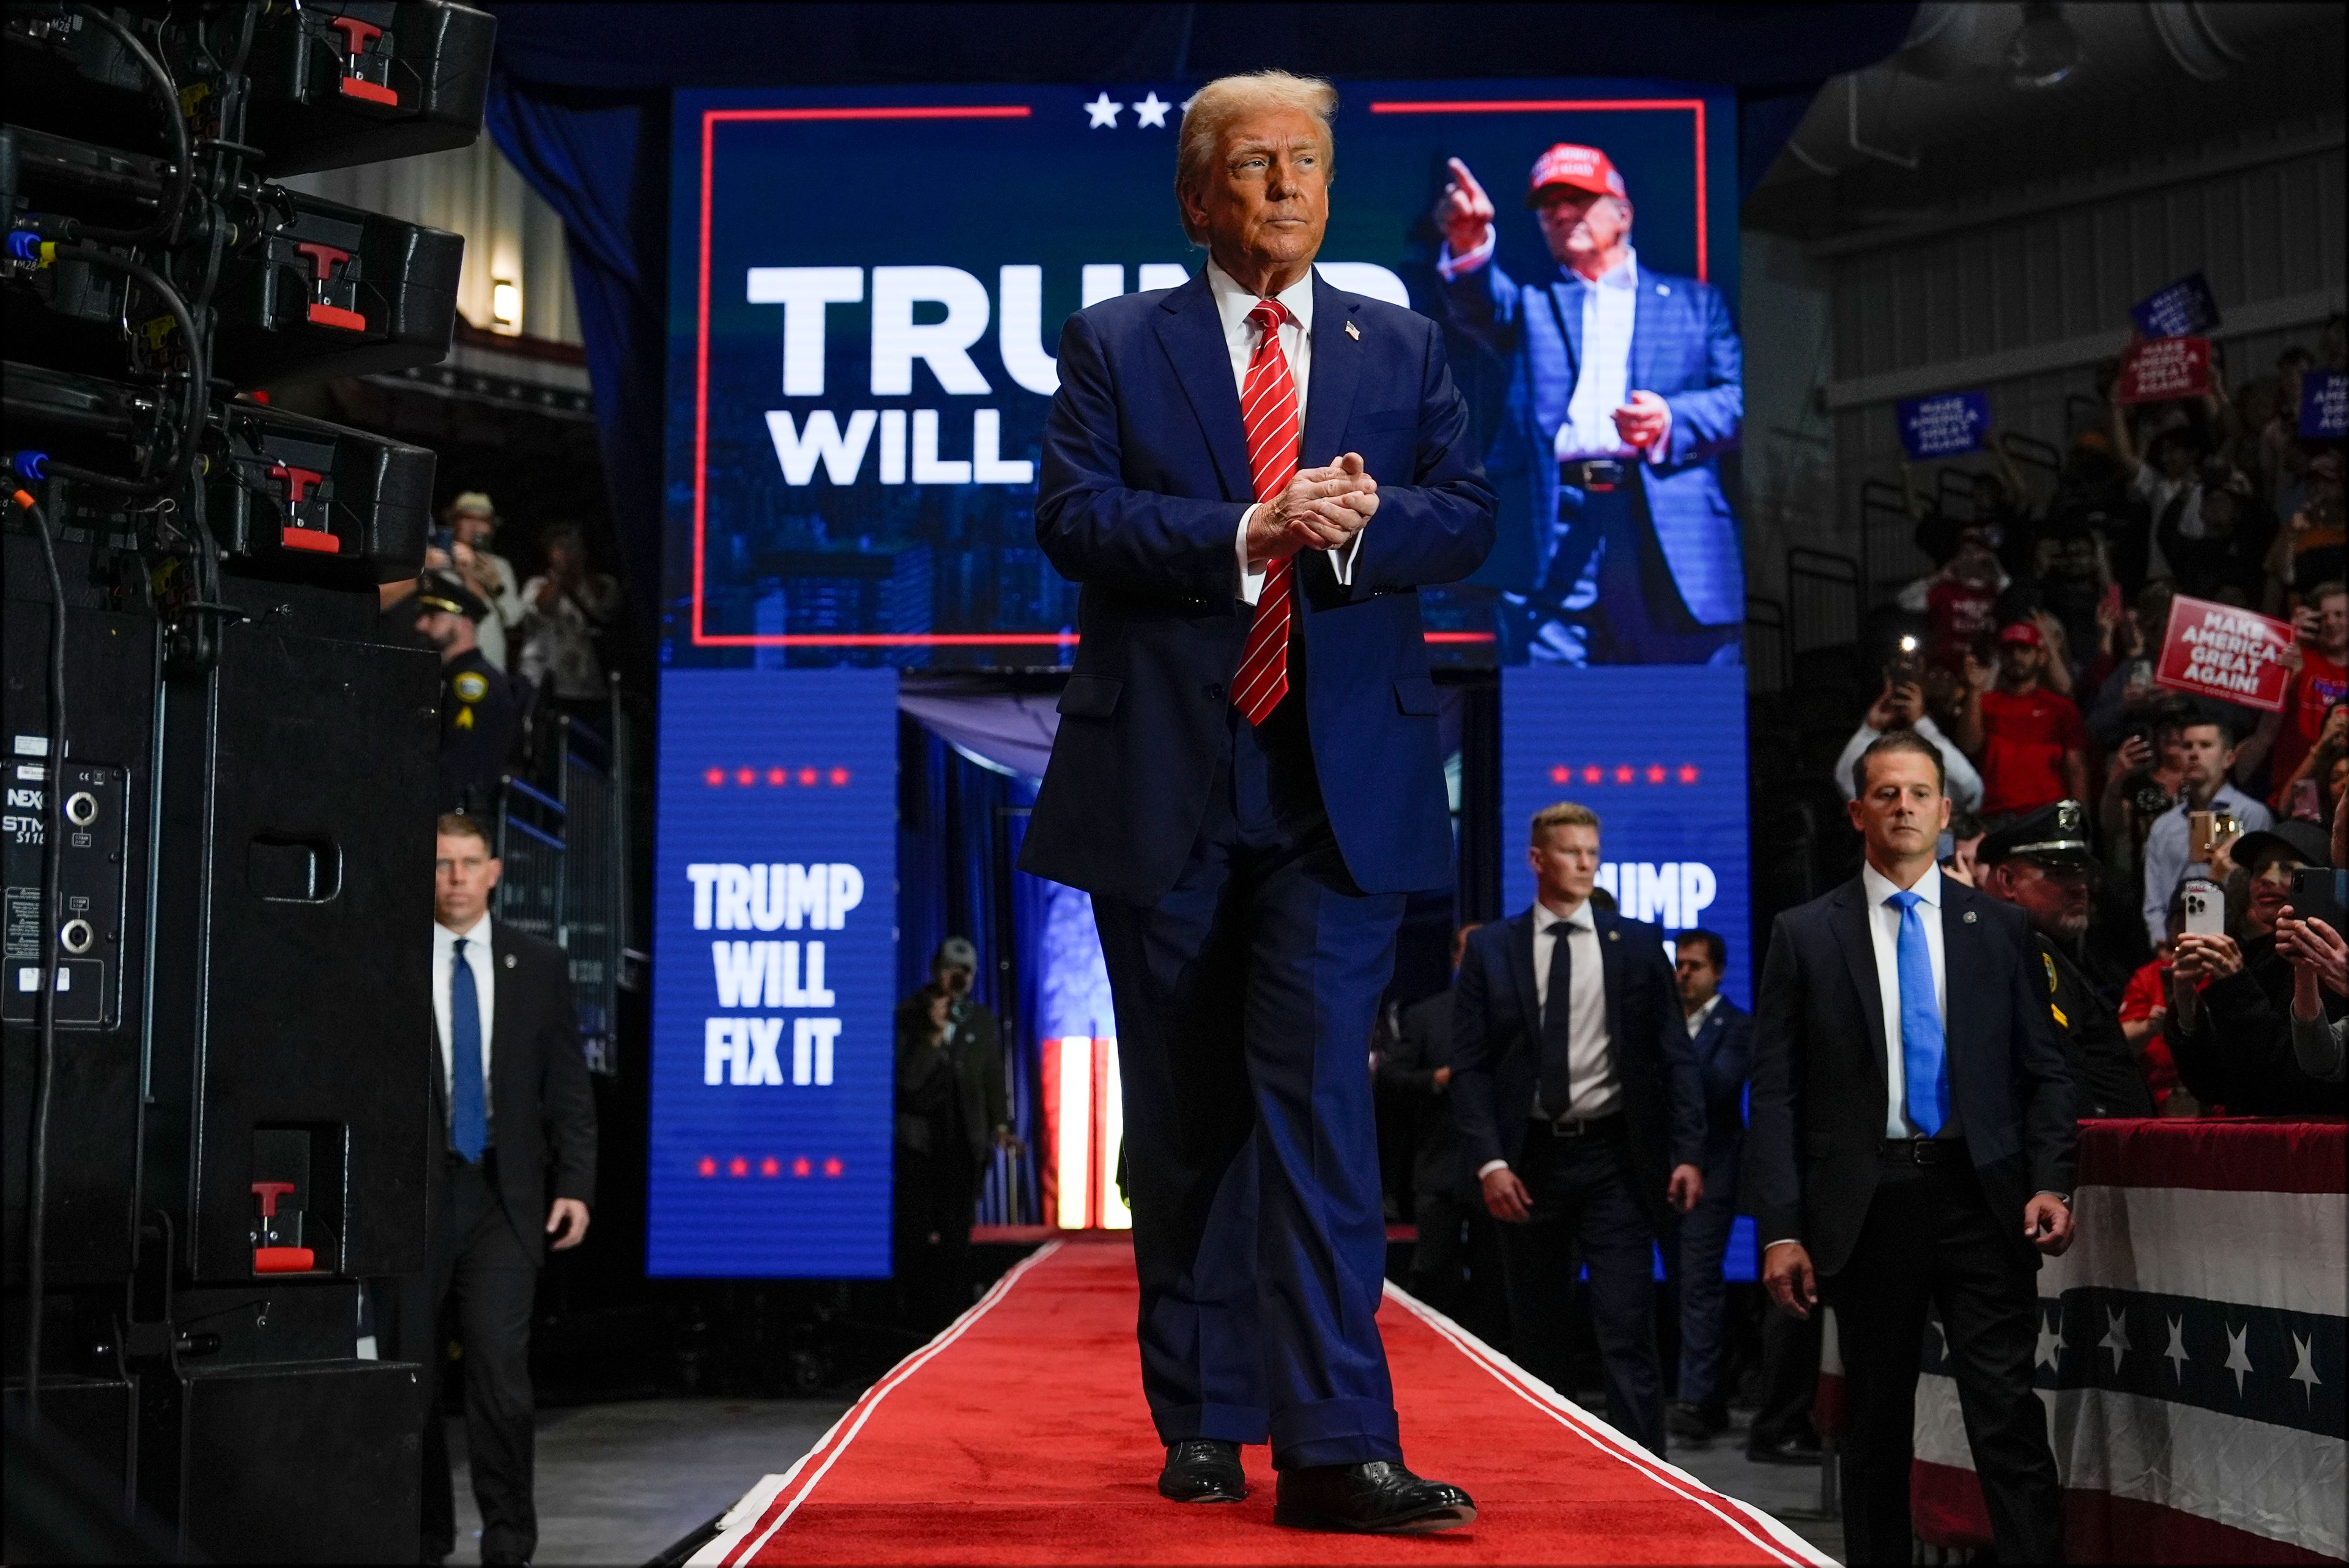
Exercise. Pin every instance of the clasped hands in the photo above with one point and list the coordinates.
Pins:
(1318, 509)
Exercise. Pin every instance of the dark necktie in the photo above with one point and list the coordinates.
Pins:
(469, 1117)
(1557, 1025)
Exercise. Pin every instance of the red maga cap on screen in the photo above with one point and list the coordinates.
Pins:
(1581, 168)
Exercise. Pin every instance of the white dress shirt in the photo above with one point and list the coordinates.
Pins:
(1233, 303)
(1884, 936)
(1965, 784)
(1602, 383)
(479, 960)
(1594, 1089)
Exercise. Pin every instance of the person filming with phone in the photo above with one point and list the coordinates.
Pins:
(2199, 824)
(2233, 992)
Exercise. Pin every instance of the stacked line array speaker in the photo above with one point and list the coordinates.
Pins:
(213, 984)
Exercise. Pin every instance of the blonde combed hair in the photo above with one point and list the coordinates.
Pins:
(1565, 813)
(1215, 108)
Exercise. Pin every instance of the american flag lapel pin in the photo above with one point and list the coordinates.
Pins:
(1353, 332)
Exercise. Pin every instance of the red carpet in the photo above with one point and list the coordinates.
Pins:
(1018, 1435)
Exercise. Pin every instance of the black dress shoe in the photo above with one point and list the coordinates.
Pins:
(1202, 1469)
(1377, 1498)
(1801, 1449)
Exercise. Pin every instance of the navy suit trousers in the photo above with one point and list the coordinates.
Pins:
(1245, 998)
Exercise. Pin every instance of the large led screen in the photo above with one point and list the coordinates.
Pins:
(866, 291)
(865, 296)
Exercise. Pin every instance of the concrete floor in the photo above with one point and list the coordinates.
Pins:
(617, 1484)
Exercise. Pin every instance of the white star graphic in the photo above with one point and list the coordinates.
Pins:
(2115, 1338)
(2238, 1360)
(1151, 113)
(1103, 112)
(2177, 1351)
(2304, 1374)
(2051, 1342)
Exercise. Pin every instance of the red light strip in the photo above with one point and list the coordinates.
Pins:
(1694, 106)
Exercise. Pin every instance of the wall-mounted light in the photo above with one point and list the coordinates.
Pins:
(505, 304)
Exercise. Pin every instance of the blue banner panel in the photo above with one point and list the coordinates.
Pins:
(1659, 752)
(774, 944)
(1951, 425)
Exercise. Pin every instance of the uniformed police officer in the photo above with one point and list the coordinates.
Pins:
(2043, 865)
(477, 706)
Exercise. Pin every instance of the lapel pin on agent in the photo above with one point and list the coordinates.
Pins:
(1353, 332)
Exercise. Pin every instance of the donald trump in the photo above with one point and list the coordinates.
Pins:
(1246, 779)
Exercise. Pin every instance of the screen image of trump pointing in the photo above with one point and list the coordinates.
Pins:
(1616, 543)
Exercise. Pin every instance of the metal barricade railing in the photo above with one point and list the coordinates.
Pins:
(1769, 655)
(565, 878)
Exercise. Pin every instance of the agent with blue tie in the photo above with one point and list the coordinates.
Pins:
(1913, 1147)
(1625, 386)
(510, 1084)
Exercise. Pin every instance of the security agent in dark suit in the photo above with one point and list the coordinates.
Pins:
(1251, 634)
(1913, 1147)
(952, 1110)
(1576, 1091)
(1721, 1034)
(511, 1085)
(1458, 1248)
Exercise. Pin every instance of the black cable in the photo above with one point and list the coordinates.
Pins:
(198, 390)
(175, 199)
(44, 1006)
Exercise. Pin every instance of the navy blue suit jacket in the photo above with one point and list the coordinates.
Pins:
(1145, 477)
(1819, 1092)
(1497, 1049)
(1724, 1045)
(1683, 349)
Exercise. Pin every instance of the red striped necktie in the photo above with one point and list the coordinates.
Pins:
(1269, 410)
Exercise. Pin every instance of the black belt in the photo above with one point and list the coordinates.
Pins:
(1924, 1151)
(1612, 1122)
(1598, 473)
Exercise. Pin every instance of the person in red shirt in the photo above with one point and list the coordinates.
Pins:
(2321, 680)
(2028, 741)
(2144, 1004)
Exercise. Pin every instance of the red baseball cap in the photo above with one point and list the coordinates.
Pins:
(1579, 168)
(2022, 631)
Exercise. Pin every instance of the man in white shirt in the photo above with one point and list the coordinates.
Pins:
(1902, 707)
(1576, 1087)
(2207, 749)
(1912, 1147)
(1625, 387)
(511, 1085)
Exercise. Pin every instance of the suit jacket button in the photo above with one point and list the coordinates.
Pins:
(1215, 691)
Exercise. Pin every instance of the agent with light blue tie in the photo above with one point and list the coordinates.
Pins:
(1912, 1147)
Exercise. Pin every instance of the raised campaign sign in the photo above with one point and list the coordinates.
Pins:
(2323, 405)
(2217, 650)
(2156, 371)
(2177, 309)
(1951, 425)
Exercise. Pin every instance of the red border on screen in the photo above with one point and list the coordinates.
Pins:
(709, 120)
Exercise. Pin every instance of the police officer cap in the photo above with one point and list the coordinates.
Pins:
(2056, 834)
(444, 592)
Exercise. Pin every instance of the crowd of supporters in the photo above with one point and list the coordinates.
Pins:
(2028, 656)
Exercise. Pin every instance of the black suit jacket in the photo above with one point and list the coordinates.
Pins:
(1423, 1045)
(541, 1107)
(1496, 1050)
(1819, 1092)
